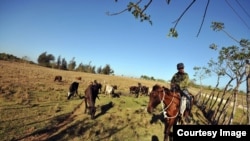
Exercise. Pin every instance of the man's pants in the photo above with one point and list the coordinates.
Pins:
(189, 98)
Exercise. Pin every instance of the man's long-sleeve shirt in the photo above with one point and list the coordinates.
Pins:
(181, 79)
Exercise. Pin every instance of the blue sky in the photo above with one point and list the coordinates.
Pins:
(81, 29)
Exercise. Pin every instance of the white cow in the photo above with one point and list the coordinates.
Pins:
(109, 89)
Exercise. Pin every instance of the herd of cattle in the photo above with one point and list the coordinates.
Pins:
(137, 90)
(107, 89)
(95, 88)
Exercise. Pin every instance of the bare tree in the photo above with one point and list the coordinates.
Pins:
(230, 63)
(234, 57)
(200, 73)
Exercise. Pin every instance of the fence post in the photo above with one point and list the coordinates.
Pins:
(248, 90)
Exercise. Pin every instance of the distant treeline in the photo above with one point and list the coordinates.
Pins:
(10, 57)
(151, 78)
(48, 60)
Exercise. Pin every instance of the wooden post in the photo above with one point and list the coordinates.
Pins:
(248, 90)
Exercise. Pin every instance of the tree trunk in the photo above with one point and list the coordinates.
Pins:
(235, 94)
(216, 100)
(221, 101)
(248, 100)
(224, 108)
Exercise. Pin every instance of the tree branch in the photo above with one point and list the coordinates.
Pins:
(177, 21)
(146, 6)
(205, 12)
(137, 11)
(127, 9)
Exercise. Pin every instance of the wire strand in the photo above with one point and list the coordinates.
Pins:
(242, 8)
(237, 14)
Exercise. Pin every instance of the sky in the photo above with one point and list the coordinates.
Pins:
(81, 29)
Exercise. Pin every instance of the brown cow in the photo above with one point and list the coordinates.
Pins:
(58, 78)
(79, 78)
(91, 93)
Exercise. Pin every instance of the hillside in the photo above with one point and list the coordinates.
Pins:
(34, 107)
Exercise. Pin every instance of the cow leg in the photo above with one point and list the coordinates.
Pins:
(92, 112)
(86, 105)
(136, 94)
(70, 94)
(76, 94)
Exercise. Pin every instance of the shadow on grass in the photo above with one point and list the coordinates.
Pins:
(63, 132)
(104, 109)
(154, 138)
(156, 118)
(82, 129)
(86, 130)
(201, 120)
(50, 129)
(77, 129)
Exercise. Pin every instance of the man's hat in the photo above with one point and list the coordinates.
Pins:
(180, 66)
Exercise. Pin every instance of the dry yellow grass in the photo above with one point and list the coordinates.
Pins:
(34, 107)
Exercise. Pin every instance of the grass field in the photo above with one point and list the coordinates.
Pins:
(34, 107)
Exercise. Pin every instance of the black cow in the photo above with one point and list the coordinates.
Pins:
(73, 89)
(144, 90)
(138, 90)
(91, 93)
(58, 78)
(99, 86)
(135, 90)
